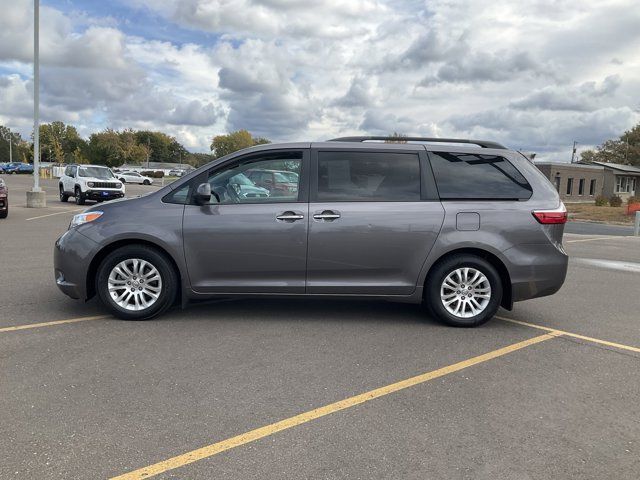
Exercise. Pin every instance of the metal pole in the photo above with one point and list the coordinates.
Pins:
(36, 96)
(636, 227)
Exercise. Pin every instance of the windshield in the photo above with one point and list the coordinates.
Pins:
(241, 179)
(290, 176)
(284, 177)
(95, 172)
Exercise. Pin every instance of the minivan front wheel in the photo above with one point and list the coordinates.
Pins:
(463, 291)
(136, 282)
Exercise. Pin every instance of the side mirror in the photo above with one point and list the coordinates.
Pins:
(203, 194)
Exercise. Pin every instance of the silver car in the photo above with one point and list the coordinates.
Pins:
(462, 226)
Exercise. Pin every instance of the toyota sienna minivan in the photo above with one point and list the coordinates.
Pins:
(463, 226)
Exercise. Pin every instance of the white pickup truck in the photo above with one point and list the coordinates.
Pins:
(89, 182)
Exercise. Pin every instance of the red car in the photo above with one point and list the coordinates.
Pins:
(278, 182)
(4, 199)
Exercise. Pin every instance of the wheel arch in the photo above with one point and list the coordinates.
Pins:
(107, 249)
(494, 260)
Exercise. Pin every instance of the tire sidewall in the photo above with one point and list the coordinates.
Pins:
(158, 260)
(440, 272)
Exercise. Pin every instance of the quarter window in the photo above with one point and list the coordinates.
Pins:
(465, 176)
(368, 177)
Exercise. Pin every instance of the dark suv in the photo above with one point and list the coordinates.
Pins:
(463, 226)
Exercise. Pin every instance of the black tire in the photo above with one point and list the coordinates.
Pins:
(438, 274)
(79, 196)
(146, 182)
(168, 275)
(63, 196)
(5, 213)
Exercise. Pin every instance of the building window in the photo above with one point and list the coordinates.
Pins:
(569, 186)
(558, 183)
(581, 186)
(592, 187)
(625, 184)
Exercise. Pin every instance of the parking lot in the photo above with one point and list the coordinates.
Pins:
(274, 389)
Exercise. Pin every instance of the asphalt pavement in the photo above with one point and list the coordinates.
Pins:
(275, 389)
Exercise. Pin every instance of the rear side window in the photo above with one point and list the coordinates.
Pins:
(464, 176)
(368, 176)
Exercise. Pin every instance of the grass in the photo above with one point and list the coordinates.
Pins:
(590, 213)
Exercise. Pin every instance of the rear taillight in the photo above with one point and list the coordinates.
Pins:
(551, 217)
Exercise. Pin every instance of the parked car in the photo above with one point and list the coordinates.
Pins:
(238, 185)
(134, 177)
(176, 173)
(463, 229)
(17, 168)
(89, 182)
(277, 182)
(2, 167)
(4, 199)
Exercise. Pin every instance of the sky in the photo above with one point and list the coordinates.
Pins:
(534, 75)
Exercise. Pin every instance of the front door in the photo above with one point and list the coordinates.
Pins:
(371, 223)
(249, 239)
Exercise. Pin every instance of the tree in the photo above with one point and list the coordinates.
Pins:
(225, 144)
(396, 138)
(625, 150)
(105, 148)
(18, 145)
(58, 142)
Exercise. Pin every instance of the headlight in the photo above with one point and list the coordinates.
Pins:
(83, 218)
(90, 184)
(118, 185)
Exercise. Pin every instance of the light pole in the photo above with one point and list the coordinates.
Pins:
(36, 197)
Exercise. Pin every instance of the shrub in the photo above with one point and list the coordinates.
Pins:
(631, 200)
(158, 174)
(602, 201)
(615, 201)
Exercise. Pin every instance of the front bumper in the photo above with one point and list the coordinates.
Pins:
(72, 257)
(98, 194)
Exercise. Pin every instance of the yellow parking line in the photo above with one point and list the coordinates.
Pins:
(50, 324)
(574, 335)
(258, 433)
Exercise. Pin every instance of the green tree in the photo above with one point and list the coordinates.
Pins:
(225, 144)
(18, 145)
(396, 138)
(625, 149)
(105, 148)
(58, 142)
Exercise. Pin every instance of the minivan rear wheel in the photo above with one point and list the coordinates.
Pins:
(463, 291)
(136, 282)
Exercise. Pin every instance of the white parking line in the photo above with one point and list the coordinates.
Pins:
(57, 213)
(608, 237)
(609, 264)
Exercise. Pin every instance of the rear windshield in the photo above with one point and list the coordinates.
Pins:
(464, 176)
(95, 172)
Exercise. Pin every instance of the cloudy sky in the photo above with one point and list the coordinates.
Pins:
(535, 75)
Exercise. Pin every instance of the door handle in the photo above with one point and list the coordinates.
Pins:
(327, 215)
(289, 217)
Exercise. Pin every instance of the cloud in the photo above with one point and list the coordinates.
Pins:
(584, 97)
(535, 73)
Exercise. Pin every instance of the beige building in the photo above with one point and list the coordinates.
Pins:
(621, 180)
(575, 182)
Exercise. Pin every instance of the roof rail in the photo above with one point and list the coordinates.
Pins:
(481, 143)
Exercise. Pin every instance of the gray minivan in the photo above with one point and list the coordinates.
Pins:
(462, 226)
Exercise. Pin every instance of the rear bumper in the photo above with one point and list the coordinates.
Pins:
(536, 270)
(71, 259)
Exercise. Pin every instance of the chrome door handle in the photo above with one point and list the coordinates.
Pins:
(328, 215)
(289, 217)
